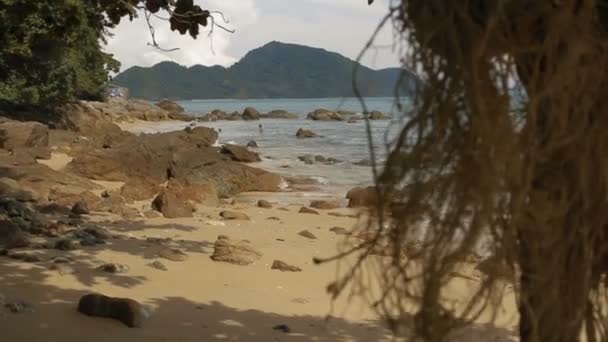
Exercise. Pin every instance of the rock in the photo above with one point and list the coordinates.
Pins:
(305, 210)
(324, 115)
(250, 113)
(307, 234)
(11, 236)
(280, 114)
(336, 214)
(139, 189)
(25, 257)
(66, 245)
(234, 252)
(98, 233)
(339, 231)
(305, 133)
(273, 218)
(172, 206)
(361, 197)
(308, 159)
(324, 205)
(113, 268)
(62, 269)
(27, 138)
(282, 328)
(11, 188)
(240, 154)
(170, 106)
(252, 144)
(173, 254)
(363, 162)
(320, 159)
(353, 120)
(200, 193)
(264, 204)
(376, 115)
(284, 267)
(125, 310)
(81, 208)
(159, 266)
(233, 215)
(19, 306)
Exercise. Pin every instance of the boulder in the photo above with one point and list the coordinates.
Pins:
(200, 193)
(251, 113)
(233, 215)
(240, 153)
(305, 133)
(128, 311)
(171, 205)
(234, 252)
(65, 198)
(139, 189)
(28, 138)
(324, 115)
(95, 121)
(280, 114)
(284, 267)
(324, 205)
(170, 106)
(305, 210)
(361, 197)
(264, 204)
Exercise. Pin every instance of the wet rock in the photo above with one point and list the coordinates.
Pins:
(240, 153)
(324, 205)
(125, 310)
(264, 204)
(159, 266)
(307, 159)
(363, 162)
(339, 230)
(81, 208)
(173, 254)
(305, 133)
(19, 306)
(234, 252)
(252, 144)
(279, 114)
(251, 113)
(233, 215)
(324, 115)
(284, 267)
(377, 115)
(113, 268)
(306, 210)
(307, 234)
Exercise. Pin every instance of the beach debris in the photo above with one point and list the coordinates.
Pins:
(158, 265)
(306, 210)
(324, 205)
(234, 252)
(264, 204)
(307, 234)
(113, 268)
(126, 310)
(339, 230)
(284, 267)
(173, 254)
(233, 215)
(305, 133)
(282, 328)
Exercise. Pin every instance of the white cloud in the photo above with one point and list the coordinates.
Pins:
(337, 25)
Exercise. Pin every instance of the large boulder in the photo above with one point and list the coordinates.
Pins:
(170, 106)
(199, 193)
(172, 205)
(324, 115)
(29, 138)
(139, 189)
(240, 153)
(362, 197)
(234, 252)
(305, 133)
(251, 113)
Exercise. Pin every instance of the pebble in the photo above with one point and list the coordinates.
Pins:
(307, 234)
(159, 266)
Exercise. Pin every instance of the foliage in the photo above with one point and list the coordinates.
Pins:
(276, 70)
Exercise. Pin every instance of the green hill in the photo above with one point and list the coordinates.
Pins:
(275, 70)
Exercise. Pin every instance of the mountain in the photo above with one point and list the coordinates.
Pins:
(275, 70)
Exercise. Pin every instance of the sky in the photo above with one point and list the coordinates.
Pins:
(342, 26)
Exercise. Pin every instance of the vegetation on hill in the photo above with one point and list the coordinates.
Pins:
(275, 70)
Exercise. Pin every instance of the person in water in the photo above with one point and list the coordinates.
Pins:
(261, 129)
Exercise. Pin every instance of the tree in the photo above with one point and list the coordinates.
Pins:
(505, 149)
(51, 50)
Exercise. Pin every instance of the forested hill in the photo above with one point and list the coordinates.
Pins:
(275, 70)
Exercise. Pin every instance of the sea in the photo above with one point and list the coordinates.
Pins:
(279, 147)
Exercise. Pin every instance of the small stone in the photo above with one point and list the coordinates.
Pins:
(306, 210)
(282, 328)
(273, 218)
(113, 268)
(80, 208)
(339, 230)
(264, 204)
(159, 266)
(284, 267)
(307, 234)
(233, 215)
(173, 254)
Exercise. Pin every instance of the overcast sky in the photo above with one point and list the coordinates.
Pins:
(342, 26)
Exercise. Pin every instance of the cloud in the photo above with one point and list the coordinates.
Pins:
(337, 25)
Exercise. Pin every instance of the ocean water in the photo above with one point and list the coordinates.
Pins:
(279, 147)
